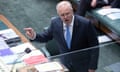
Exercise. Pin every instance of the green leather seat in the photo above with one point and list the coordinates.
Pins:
(113, 25)
(51, 47)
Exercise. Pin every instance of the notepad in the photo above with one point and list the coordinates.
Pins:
(49, 67)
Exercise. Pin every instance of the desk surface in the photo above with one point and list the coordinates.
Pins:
(7, 23)
(10, 25)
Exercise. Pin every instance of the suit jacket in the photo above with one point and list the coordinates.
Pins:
(84, 36)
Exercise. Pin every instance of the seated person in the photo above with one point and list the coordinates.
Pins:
(86, 5)
(114, 4)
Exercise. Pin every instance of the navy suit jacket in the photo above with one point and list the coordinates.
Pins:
(84, 36)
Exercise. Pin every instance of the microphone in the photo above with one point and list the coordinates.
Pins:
(26, 51)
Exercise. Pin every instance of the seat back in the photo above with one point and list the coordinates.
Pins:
(52, 48)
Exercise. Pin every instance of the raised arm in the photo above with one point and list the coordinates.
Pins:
(30, 33)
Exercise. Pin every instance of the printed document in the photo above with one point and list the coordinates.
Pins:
(108, 11)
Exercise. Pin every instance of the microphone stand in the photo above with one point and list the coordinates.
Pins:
(26, 51)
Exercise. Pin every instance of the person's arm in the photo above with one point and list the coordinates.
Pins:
(30, 33)
(93, 3)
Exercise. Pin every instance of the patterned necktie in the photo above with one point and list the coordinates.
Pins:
(68, 36)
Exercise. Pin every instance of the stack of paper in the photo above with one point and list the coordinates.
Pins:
(3, 67)
(34, 57)
(5, 52)
(49, 67)
(17, 53)
(112, 13)
(114, 16)
(10, 37)
(108, 11)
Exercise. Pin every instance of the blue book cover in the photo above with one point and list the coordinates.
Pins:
(5, 52)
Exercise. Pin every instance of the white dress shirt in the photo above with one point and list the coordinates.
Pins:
(70, 27)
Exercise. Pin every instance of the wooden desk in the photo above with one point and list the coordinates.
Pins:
(10, 25)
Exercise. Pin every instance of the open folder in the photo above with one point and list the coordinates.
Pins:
(49, 67)
(44, 67)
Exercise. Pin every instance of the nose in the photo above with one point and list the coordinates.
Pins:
(65, 16)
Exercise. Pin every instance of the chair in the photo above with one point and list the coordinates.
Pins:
(50, 47)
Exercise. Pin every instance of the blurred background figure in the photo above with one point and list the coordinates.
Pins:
(86, 5)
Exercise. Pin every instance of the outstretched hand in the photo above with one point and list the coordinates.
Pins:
(93, 3)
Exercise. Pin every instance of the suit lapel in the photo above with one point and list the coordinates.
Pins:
(62, 33)
(75, 31)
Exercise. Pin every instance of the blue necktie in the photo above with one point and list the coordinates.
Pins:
(68, 36)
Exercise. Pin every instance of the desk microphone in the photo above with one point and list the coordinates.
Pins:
(26, 51)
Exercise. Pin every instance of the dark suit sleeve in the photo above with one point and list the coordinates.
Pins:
(93, 43)
(44, 36)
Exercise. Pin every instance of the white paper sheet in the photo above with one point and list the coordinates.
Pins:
(108, 11)
(49, 67)
(114, 16)
(103, 39)
(3, 44)
(113, 67)
(20, 48)
(8, 33)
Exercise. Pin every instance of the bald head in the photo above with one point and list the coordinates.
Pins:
(65, 11)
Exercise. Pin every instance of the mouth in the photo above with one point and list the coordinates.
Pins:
(66, 20)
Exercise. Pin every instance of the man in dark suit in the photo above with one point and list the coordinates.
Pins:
(87, 5)
(82, 35)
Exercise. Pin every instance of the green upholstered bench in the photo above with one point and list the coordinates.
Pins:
(107, 25)
(50, 48)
